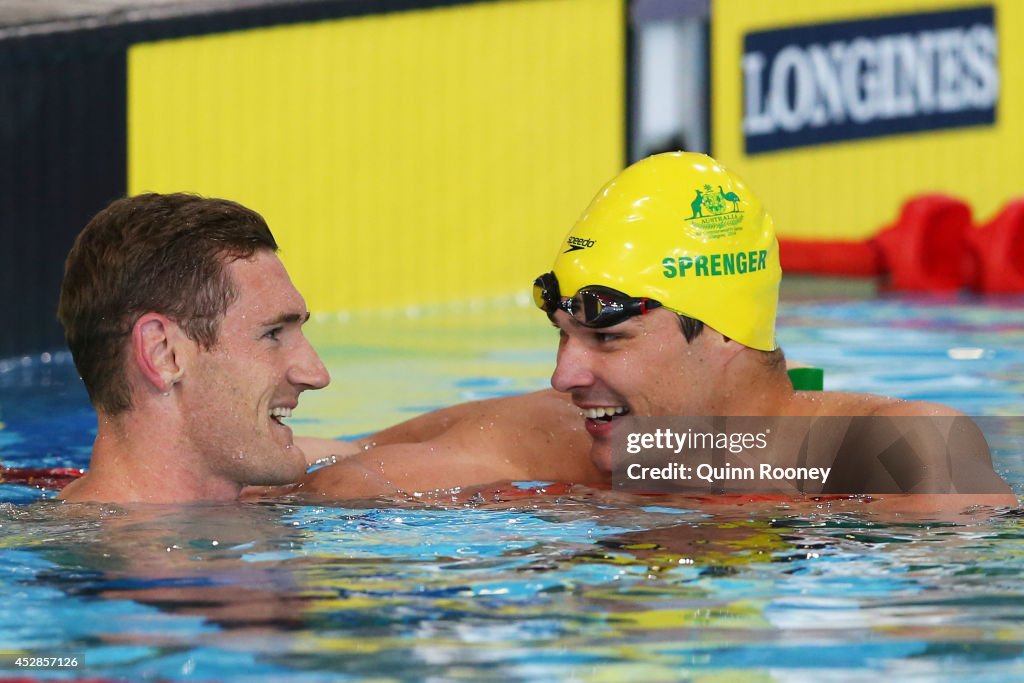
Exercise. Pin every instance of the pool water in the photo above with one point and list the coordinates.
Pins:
(585, 586)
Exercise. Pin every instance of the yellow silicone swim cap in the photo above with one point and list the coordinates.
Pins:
(682, 229)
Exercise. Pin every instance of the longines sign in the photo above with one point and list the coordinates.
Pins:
(860, 79)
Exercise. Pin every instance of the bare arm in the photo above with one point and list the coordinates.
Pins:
(317, 449)
(429, 426)
(533, 436)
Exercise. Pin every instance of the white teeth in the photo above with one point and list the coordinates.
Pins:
(607, 411)
(280, 412)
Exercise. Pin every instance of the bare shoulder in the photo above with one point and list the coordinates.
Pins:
(895, 446)
(846, 404)
(894, 407)
(90, 489)
(72, 491)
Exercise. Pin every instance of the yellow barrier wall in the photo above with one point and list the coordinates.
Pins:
(405, 158)
(848, 190)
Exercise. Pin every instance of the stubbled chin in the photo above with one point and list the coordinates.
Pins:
(291, 466)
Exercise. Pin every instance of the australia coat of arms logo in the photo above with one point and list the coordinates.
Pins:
(716, 211)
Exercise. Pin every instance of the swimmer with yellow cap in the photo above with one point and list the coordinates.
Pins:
(664, 293)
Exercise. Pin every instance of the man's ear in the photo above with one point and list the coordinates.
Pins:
(158, 351)
(725, 347)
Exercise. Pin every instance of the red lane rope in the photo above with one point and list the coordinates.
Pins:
(46, 478)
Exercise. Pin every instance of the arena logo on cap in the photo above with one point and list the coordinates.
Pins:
(717, 212)
(577, 243)
(849, 80)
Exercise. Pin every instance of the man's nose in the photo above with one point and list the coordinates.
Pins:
(573, 369)
(308, 370)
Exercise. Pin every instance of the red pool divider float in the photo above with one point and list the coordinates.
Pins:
(932, 247)
(45, 478)
(999, 251)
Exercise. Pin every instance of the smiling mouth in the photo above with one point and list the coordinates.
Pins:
(278, 414)
(604, 413)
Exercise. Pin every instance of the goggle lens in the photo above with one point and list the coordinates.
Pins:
(592, 306)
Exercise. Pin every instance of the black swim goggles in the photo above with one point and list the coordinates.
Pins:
(592, 306)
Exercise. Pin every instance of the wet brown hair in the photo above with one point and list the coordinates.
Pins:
(152, 253)
(692, 328)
